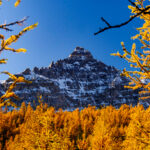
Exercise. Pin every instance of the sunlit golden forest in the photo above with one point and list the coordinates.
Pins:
(106, 128)
(126, 128)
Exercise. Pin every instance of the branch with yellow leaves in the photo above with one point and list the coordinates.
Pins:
(5, 45)
(13, 39)
(138, 77)
(6, 98)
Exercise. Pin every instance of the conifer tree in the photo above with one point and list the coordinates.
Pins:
(139, 59)
(5, 46)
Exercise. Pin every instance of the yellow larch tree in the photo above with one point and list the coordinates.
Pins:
(5, 46)
(139, 59)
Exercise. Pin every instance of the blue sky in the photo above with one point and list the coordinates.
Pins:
(63, 25)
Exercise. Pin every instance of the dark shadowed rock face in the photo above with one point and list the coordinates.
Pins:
(76, 81)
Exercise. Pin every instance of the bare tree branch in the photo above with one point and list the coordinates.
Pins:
(105, 21)
(6, 26)
(124, 23)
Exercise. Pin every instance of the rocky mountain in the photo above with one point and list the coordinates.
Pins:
(76, 81)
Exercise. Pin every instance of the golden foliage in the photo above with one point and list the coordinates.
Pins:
(5, 100)
(139, 61)
(138, 131)
(126, 128)
(17, 3)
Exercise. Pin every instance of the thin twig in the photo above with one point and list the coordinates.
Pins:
(6, 26)
(124, 23)
(105, 21)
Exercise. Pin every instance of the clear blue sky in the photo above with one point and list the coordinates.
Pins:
(63, 25)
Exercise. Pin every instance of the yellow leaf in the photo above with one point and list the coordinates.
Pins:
(14, 38)
(12, 104)
(3, 61)
(146, 52)
(0, 2)
(10, 75)
(21, 50)
(11, 94)
(11, 39)
(1, 36)
(1, 105)
(29, 28)
(17, 3)
(122, 43)
(22, 79)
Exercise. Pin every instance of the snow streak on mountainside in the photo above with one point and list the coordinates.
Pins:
(76, 81)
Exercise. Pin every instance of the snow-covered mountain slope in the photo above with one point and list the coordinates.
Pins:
(76, 81)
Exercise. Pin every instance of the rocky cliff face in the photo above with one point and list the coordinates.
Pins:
(76, 81)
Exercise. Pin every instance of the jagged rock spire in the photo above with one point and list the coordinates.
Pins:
(79, 49)
(80, 53)
(52, 64)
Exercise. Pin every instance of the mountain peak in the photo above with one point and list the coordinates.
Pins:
(76, 81)
(80, 53)
(79, 49)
